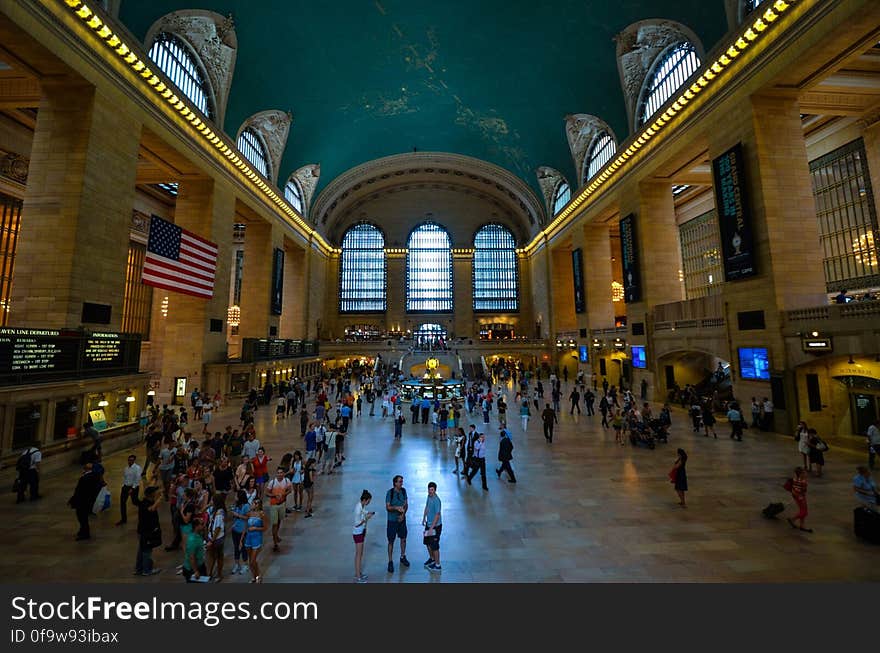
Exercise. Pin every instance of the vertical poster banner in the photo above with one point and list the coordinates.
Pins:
(577, 266)
(629, 256)
(277, 280)
(734, 219)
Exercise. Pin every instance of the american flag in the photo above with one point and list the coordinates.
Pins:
(179, 260)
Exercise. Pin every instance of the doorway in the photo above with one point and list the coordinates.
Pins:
(864, 411)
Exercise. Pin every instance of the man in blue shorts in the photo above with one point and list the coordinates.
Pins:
(396, 504)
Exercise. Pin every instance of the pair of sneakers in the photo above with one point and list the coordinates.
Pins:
(403, 563)
(360, 579)
(430, 565)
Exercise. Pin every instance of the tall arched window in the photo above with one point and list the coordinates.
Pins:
(251, 145)
(429, 269)
(600, 154)
(293, 195)
(175, 60)
(362, 270)
(496, 278)
(561, 196)
(671, 70)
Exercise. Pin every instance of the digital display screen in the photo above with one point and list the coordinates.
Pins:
(638, 356)
(754, 363)
(583, 354)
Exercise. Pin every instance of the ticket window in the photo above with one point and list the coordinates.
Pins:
(66, 419)
(26, 426)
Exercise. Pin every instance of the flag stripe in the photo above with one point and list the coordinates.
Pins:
(178, 268)
(179, 260)
(206, 244)
(170, 276)
(181, 288)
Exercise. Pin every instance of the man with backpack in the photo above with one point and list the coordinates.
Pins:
(28, 468)
(396, 504)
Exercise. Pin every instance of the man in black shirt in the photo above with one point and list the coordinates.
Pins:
(589, 401)
(575, 397)
(549, 418)
(87, 488)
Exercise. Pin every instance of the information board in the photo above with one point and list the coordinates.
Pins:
(34, 355)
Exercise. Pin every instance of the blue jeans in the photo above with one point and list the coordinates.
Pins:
(239, 553)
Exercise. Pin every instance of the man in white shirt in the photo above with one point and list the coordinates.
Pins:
(873, 442)
(277, 490)
(768, 415)
(131, 482)
(28, 467)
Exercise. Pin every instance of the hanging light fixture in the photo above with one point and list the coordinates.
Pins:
(233, 316)
(103, 402)
(130, 397)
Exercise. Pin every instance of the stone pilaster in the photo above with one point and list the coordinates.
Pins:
(73, 241)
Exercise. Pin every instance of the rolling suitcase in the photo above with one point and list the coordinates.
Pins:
(867, 524)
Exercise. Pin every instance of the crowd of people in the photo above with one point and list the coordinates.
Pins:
(226, 485)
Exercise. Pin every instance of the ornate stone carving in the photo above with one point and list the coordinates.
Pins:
(274, 126)
(548, 180)
(213, 39)
(14, 166)
(331, 202)
(638, 46)
(581, 130)
(307, 178)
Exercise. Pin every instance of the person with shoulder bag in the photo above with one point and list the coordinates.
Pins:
(28, 468)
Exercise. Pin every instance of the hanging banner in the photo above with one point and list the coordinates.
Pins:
(277, 280)
(577, 266)
(734, 218)
(629, 256)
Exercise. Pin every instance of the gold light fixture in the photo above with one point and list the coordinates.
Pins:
(164, 306)
(103, 402)
(233, 316)
(616, 291)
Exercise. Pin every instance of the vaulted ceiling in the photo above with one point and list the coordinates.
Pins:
(490, 79)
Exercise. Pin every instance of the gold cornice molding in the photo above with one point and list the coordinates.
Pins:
(111, 48)
(726, 60)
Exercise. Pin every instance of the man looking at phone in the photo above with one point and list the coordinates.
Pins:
(396, 504)
(432, 522)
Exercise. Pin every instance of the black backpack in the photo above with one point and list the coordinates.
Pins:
(23, 464)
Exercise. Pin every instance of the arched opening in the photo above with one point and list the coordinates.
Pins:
(670, 71)
(496, 274)
(429, 269)
(362, 270)
(182, 67)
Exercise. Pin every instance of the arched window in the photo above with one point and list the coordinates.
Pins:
(496, 279)
(362, 270)
(181, 67)
(671, 70)
(250, 144)
(748, 6)
(600, 154)
(293, 195)
(429, 269)
(561, 196)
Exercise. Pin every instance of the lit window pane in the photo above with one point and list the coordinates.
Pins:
(174, 59)
(670, 73)
(496, 279)
(250, 145)
(848, 231)
(293, 195)
(701, 255)
(362, 270)
(429, 269)
(561, 197)
(600, 154)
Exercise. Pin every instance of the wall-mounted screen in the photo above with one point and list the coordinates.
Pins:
(638, 356)
(754, 363)
(583, 354)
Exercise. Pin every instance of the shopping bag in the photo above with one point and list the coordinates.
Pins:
(102, 502)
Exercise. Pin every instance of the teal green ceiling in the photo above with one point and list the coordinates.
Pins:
(490, 79)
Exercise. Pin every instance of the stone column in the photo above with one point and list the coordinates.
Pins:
(292, 322)
(260, 239)
(463, 296)
(318, 277)
(182, 342)
(73, 242)
(396, 291)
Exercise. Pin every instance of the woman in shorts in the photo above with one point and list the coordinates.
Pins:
(617, 425)
(217, 536)
(359, 533)
(253, 537)
(296, 477)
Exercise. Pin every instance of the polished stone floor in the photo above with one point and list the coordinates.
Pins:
(584, 510)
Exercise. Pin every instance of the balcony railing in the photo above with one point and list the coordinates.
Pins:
(851, 311)
(703, 323)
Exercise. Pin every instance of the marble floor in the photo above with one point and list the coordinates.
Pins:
(584, 510)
